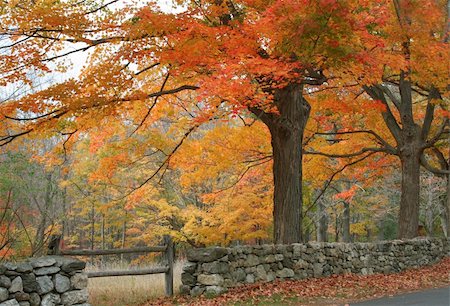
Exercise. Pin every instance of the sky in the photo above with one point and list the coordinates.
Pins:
(78, 59)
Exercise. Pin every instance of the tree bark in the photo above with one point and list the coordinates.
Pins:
(409, 201)
(322, 223)
(286, 130)
(346, 222)
(445, 210)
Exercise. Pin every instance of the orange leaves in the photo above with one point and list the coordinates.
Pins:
(346, 195)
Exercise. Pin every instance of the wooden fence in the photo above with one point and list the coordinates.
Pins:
(167, 249)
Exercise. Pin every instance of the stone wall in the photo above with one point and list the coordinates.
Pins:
(46, 281)
(211, 271)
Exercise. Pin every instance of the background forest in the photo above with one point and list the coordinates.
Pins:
(176, 122)
(216, 190)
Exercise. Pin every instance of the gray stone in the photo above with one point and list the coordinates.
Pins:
(271, 276)
(298, 249)
(12, 302)
(61, 282)
(74, 297)
(238, 275)
(261, 273)
(212, 291)
(35, 299)
(79, 281)
(252, 260)
(22, 296)
(188, 279)
(189, 267)
(42, 262)
(4, 294)
(46, 271)
(11, 273)
(279, 257)
(16, 285)
(24, 303)
(270, 258)
(225, 258)
(318, 269)
(216, 267)
(5, 282)
(10, 266)
(70, 265)
(197, 290)
(185, 289)
(210, 279)
(24, 267)
(29, 282)
(51, 299)
(206, 254)
(44, 284)
(250, 279)
(84, 304)
(286, 272)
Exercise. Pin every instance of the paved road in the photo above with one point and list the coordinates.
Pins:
(432, 297)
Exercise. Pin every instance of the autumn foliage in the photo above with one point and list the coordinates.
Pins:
(223, 122)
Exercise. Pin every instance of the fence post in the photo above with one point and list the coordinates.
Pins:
(53, 245)
(169, 255)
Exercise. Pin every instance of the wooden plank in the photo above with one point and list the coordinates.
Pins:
(127, 272)
(169, 256)
(113, 251)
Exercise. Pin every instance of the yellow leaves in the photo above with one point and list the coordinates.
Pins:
(360, 228)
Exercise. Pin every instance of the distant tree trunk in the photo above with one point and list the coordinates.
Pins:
(92, 225)
(336, 228)
(103, 232)
(445, 210)
(322, 223)
(346, 222)
(124, 232)
(411, 141)
(429, 211)
(286, 130)
(44, 211)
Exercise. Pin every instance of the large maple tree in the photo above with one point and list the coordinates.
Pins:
(252, 56)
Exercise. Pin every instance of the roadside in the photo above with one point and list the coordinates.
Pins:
(333, 290)
(435, 297)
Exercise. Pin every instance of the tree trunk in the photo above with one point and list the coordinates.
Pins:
(286, 129)
(346, 223)
(445, 210)
(322, 222)
(429, 208)
(410, 191)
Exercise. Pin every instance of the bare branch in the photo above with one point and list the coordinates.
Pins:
(429, 114)
(153, 105)
(349, 155)
(437, 171)
(391, 122)
(380, 139)
(332, 178)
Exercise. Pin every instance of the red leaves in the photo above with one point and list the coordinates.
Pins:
(346, 195)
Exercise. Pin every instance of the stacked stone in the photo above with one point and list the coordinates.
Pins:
(45, 281)
(211, 271)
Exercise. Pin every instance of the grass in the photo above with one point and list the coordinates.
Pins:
(129, 290)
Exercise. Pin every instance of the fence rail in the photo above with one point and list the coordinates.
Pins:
(154, 249)
(167, 249)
